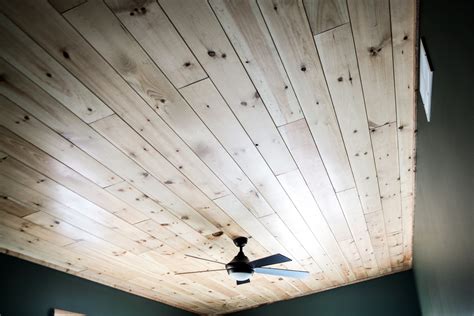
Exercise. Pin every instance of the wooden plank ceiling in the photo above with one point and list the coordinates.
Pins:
(134, 132)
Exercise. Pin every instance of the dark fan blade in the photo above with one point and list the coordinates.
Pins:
(204, 259)
(274, 259)
(243, 282)
(191, 272)
(281, 272)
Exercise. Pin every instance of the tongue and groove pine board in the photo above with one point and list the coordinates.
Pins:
(134, 132)
(403, 17)
(154, 32)
(24, 54)
(324, 15)
(246, 30)
(370, 21)
(76, 55)
(337, 53)
(201, 30)
(293, 38)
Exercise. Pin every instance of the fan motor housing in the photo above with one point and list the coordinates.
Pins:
(240, 263)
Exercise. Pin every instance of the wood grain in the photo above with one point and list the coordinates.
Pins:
(136, 132)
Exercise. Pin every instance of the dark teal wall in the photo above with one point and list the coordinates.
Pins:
(444, 225)
(390, 295)
(28, 289)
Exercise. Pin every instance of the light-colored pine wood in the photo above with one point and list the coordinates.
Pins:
(250, 38)
(55, 170)
(337, 53)
(403, 18)
(294, 41)
(376, 226)
(117, 132)
(384, 139)
(201, 30)
(298, 191)
(15, 207)
(88, 140)
(25, 225)
(324, 15)
(28, 127)
(370, 22)
(177, 113)
(154, 32)
(206, 101)
(133, 133)
(60, 312)
(25, 55)
(298, 139)
(108, 85)
(350, 202)
(50, 190)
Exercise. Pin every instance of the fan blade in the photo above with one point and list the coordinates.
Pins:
(204, 259)
(282, 272)
(273, 259)
(190, 272)
(243, 282)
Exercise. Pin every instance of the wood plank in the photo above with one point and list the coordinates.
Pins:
(25, 55)
(350, 251)
(184, 104)
(13, 169)
(152, 29)
(15, 207)
(39, 202)
(166, 219)
(177, 113)
(208, 103)
(50, 167)
(60, 312)
(386, 161)
(249, 222)
(370, 22)
(299, 193)
(77, 56)
(102, 277)
(32, 130)
(173, 300)
(214, 112)
(202, 32)
(24, 225)
(25, 243)
(56, 116)
(403, 17)
(350, 202)
(324, 15)
(249, 36)
(378, 236)
(292, 36)
(300, 142)
(339, 61)
(124, 138)
(64, 5)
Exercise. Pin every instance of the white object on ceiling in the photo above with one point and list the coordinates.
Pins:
(426, 80)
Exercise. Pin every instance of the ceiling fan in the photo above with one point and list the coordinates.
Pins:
(241, 269)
